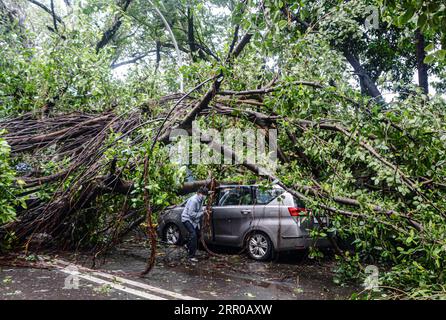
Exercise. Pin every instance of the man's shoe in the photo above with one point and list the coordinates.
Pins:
(193, 259)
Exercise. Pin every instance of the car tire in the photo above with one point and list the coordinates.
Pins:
(259, 246)
(172, 234)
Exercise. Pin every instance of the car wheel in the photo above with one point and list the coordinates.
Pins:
(259, 246)
(172, 234)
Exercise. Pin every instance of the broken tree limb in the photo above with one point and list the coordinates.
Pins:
(47, 10)
(65, 133)
(267, 90)
(208, 216)
(151, 228)
(257, 93)
(108, 34)
(241, 45)
(202, 104)
(266, 120)
(189, 187)
(313, 191)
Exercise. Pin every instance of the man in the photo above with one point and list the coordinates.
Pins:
(191, 218)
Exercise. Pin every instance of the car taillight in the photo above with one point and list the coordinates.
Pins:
(296, 212)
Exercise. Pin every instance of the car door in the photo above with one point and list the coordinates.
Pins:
(231, 214)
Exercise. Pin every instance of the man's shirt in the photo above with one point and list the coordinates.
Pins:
(192, 211)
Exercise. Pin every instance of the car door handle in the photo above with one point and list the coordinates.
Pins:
(246, 211)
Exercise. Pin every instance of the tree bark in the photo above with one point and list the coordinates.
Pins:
(108, 35)
(423, 80)
(190, 34)
(367, 84)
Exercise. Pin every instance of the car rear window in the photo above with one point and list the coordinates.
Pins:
(298, 203)
(267, 195)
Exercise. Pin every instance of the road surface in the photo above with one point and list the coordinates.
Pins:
(227, 276)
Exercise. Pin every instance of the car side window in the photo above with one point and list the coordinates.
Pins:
(265, 196)
(237, 196)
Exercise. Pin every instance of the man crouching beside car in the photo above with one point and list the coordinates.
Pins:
(191, 217)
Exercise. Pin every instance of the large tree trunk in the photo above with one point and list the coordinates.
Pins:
(190, 34)
(423, 80)
(367, 84)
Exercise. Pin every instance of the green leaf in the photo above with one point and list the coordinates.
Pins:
(282, 24)
(429, 58)
(441, 54)
(422, 19)
(430, 47)
(402, 20)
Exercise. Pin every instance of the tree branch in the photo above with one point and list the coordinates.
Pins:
(53, 14)
(108, 35)
(133, 60)
(48, 10)
(313, 191)
(365, 80)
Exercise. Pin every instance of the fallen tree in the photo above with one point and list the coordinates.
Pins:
(86, 179)
(83, 137)
(93, 175)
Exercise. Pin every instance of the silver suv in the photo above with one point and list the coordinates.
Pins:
(264, 221)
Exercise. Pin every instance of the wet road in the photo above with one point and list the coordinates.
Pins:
(226, 276)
